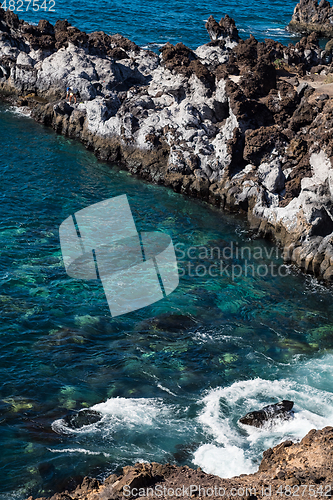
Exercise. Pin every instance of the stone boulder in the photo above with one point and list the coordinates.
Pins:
(270, 175)
(82, 418)
(224, 30)
(270, 413)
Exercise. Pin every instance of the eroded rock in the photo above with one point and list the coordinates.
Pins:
(311, 16)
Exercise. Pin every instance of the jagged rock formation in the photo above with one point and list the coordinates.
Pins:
(309, 16)
(304, 469)
(224, 30)
(235, 122)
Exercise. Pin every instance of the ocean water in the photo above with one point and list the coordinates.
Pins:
(152, 23)
(170, 380)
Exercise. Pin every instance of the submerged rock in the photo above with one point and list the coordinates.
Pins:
(269, 413)
(82, 418)
(184, 452)
(46, 470)
(167, 323)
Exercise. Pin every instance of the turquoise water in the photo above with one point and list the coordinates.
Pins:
(170, 380)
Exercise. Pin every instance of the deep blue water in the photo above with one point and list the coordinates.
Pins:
(154, 23)
(172, 379)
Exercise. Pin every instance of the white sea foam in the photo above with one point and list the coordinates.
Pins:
(132, 411)
(237, 449)
(227, 461)
(153, 45)
(22, 111)
(119, 414)
(143, 428)
(160, 386)
(79, 450)
(133, 429)
(213, 336)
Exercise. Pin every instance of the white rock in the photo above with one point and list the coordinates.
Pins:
(211, 55)
(271, 176)
(24, 59)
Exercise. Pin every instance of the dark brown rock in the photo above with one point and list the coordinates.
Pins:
(225, 28)
(123, 43)
(118, 53)
(260, 143)
(45, 27)
(181, 59)
(293, 182)
(304, 115)
(282, 102)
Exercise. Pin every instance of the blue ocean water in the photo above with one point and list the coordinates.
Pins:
(172, 379)
(152, 23)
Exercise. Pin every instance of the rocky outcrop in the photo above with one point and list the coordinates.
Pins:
(224, 30)
(240, 124)
(289, 469)
(269, 414)
(309, 16)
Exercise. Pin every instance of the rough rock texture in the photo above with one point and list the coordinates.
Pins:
(240, 124)
(76, 420)
(302, 469)
(309, 16)
(270, 413)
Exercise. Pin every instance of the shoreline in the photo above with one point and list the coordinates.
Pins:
(289, 469)
(235, 123)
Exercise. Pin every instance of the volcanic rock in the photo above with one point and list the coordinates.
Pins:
(82, 418)
(309, 16)
(236, 123)
(281, 411)
(224, 30)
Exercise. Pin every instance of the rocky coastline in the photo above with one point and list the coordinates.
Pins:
(302, 469)
(243, 125)
(310, 16)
